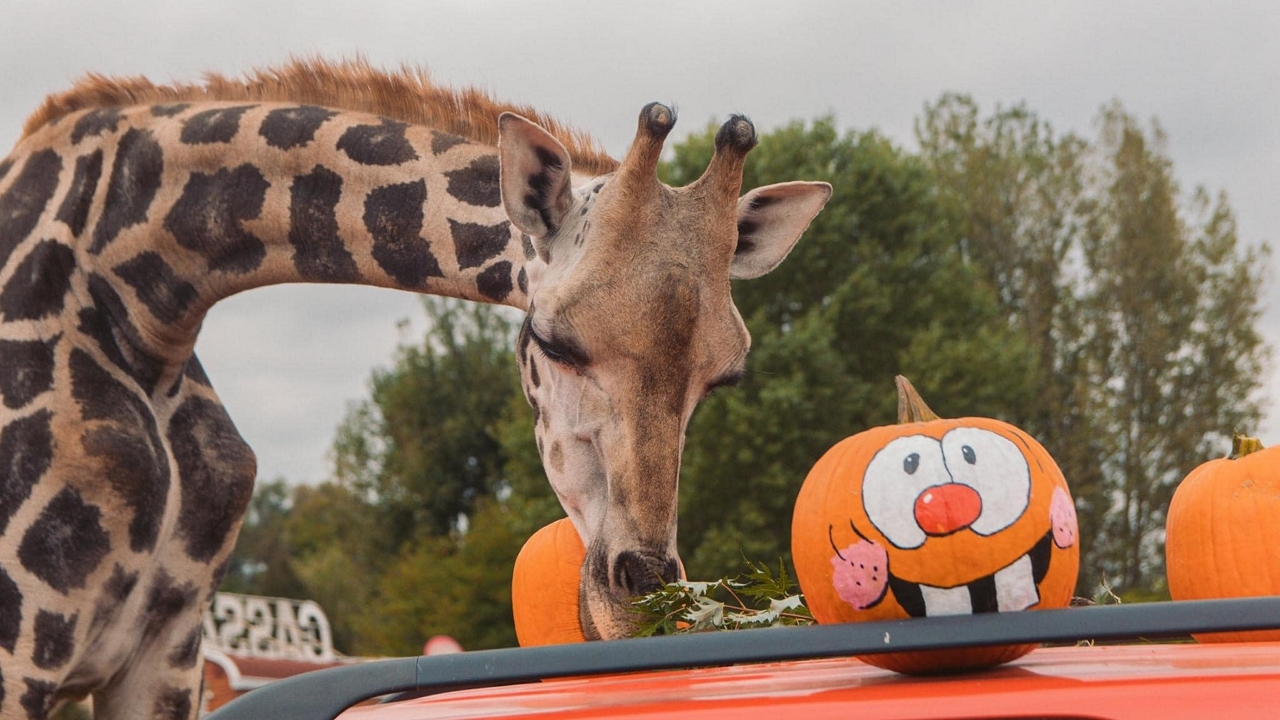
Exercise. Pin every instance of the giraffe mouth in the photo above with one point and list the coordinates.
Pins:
(1011, 588)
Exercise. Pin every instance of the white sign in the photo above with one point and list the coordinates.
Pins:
(268, 627)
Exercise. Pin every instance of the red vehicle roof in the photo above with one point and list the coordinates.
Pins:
(1171, 682)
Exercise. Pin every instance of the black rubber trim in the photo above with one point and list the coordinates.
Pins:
(324, 694)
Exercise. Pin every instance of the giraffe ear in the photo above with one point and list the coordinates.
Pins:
(770, 221)
(536, 188)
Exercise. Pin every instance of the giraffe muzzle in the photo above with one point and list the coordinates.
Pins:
(639, 574)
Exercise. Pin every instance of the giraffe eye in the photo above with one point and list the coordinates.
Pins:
(552, 352)
(565, 353)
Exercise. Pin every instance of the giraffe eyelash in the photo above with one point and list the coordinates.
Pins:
(731, 379)
(563, 353)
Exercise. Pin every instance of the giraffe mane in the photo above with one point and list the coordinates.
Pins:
(407, 95)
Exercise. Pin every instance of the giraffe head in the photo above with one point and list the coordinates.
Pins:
(630, 324)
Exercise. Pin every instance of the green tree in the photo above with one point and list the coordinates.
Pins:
(422, 448)
(1172, 302)
(876, 287)
(314, 542)
(261, 563)
(1140, 303)
(459, 585)
(1019, 193)
(338, 551)
(443, 458)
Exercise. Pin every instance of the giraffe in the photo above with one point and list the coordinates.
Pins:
(127, 209)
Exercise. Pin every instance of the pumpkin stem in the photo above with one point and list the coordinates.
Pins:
(911, 407)
(1242, 445)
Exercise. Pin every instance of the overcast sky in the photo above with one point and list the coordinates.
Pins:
(288, 360)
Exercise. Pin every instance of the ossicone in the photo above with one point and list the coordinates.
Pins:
(722, 180)
(640, 167)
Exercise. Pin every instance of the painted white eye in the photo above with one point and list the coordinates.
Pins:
(895, 477)
(995, 467)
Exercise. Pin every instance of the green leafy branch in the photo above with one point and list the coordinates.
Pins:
(757, 598)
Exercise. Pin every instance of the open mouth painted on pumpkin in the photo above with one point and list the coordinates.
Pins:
(863, 578)
(1013, 587)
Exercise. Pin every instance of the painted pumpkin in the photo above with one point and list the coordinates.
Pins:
(1222, 539)
(935, 517)
(544, 586)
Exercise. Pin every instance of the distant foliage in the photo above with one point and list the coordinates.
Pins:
(1139, 299)
(876, 287)
(392, 549)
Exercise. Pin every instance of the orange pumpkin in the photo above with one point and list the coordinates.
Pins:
(935, 517)
(544, 586)
(1222, 539)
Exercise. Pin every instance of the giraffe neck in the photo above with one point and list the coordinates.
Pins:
(172, 208)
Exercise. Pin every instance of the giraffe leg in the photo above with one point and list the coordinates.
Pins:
(163, 682)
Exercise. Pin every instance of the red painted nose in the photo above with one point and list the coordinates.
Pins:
(944, 509)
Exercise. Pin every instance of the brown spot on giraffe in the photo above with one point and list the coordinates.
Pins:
(10, 614)
(556, 461)
(39, 284)
(26, 451)
(477, 183)
(74, 210)
(292, 127)
(27, 372)
(319, 253)
(319, 172)
(394, 217)
(38, 698)
(94, 123)
(209, 217)
(381, 144)
(65, 544)
(25, 199)
(135, 178)
(55, 637)
(216, 125)
(217, 468)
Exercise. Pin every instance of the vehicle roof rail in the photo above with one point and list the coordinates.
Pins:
(324, 694)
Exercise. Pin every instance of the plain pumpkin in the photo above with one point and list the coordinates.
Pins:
(544, 586)
(935, 517)
(1222, 534)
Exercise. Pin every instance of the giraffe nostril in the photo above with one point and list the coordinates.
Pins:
(639, 574)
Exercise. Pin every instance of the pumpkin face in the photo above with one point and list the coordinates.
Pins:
(942, 517)
(1222, 539)
(544, 586)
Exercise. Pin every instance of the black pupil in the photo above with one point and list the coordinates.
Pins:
(969, 455)
(912, 462)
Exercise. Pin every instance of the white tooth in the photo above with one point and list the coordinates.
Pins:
(1016, 587)
(946, 601)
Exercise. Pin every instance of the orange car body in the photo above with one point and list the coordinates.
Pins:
(1118, 682)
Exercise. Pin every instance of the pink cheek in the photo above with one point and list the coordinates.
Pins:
(862, 574)
(1062, 515)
